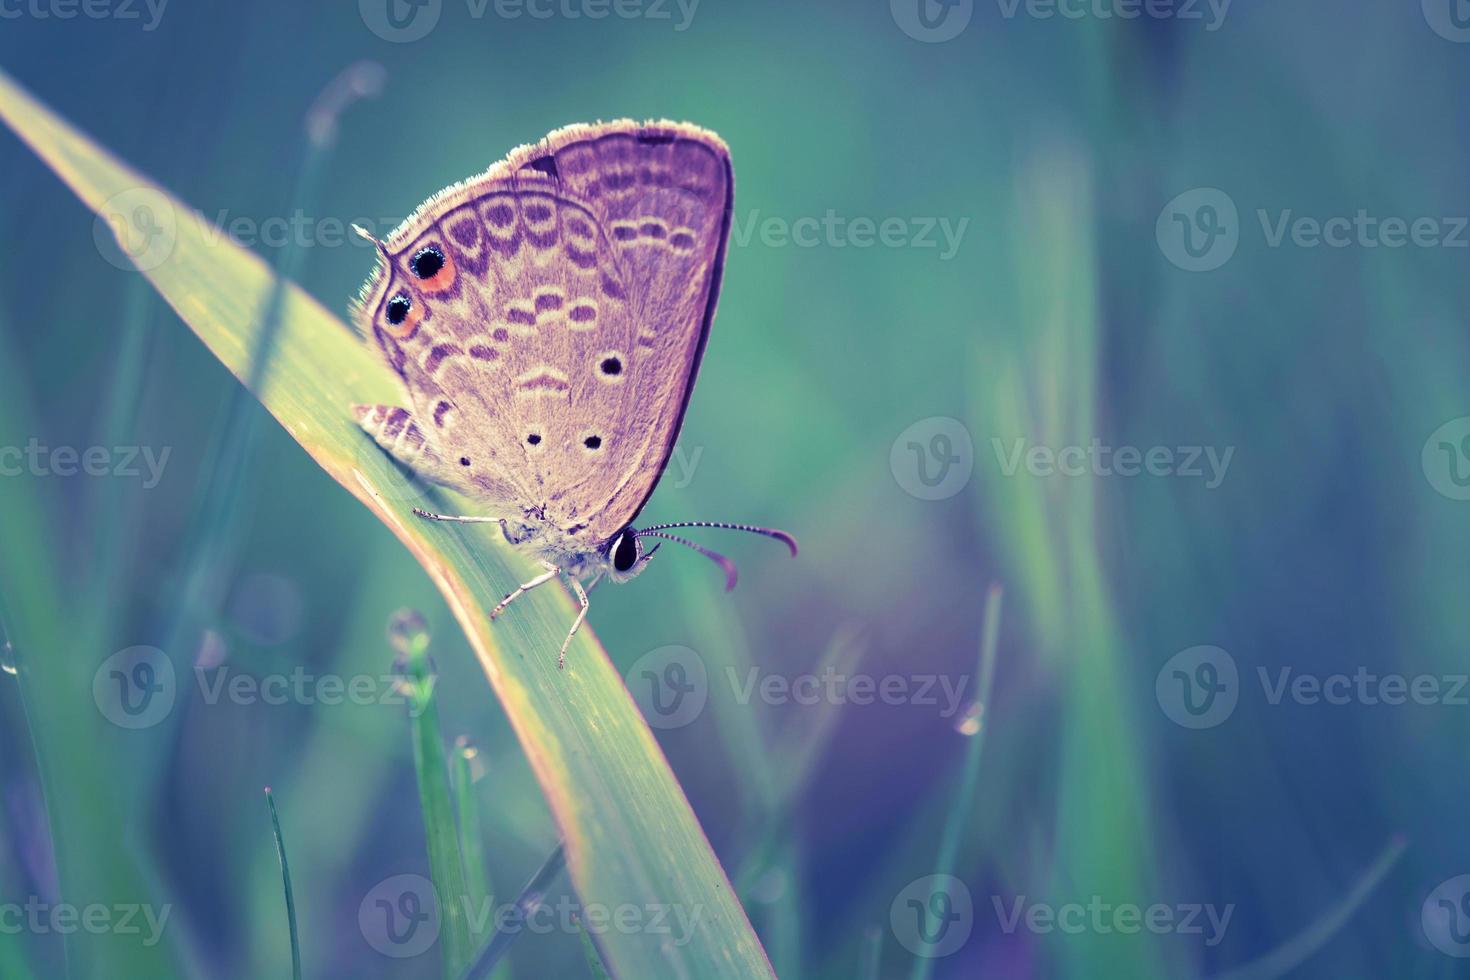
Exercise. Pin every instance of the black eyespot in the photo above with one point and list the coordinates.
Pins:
(427, 262)
(593, 442)
(464, 461)
(398, 308)
(611, 365)
(533, 439)
(625, 555)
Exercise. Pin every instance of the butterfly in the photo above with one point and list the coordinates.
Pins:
(547, 319)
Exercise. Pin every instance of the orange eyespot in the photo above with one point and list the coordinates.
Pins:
(403, 316)
(432, 266)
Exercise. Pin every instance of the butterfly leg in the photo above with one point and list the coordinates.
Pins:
(561, 661)
(459, 519)
(550, 573)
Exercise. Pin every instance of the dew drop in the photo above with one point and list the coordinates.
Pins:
(470, 753)
(969, 723)
(465, 747)
(8, 662)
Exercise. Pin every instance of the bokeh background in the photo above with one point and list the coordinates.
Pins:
(961, 228)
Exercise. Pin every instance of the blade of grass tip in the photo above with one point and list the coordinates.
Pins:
(529, 899)
(409, 635)
(870, 961)
(959, 814)
(478, 888)
(594, 959)
(270, 801)
(1286, 958)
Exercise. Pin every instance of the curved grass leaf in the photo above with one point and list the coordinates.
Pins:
(446, 867)
(631, 838)
(286, 885)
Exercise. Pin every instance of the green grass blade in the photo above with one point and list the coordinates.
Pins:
(478, 889)
(270, 801)
(595, 969)
(410, 637)
(86, 770)
(12, 944)
(631, 837)
(529, 898)
(958, 822)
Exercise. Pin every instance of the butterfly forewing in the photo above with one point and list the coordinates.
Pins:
(551, 348)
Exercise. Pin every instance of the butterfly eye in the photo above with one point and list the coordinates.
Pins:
(398, 308)
(625, 554)
(427, 262)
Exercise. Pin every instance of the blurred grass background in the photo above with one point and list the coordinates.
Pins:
(1058, 320)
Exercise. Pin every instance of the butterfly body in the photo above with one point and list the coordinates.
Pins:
(547, 319)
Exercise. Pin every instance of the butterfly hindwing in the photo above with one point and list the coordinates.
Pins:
(396, 431)
(548, 317)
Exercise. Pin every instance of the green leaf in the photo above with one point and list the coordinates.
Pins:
(631, 838)
(286, 885)
(411, 638)
(595, 969)
(958, 823)
(478, 888)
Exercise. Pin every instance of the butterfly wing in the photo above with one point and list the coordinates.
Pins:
(548, 317)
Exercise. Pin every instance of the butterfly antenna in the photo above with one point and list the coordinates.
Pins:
(731, 572)
(768, 532)
(362, 232)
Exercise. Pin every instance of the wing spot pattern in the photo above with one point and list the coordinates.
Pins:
(542, 381)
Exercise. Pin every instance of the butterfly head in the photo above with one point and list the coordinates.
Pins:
(626, 558)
